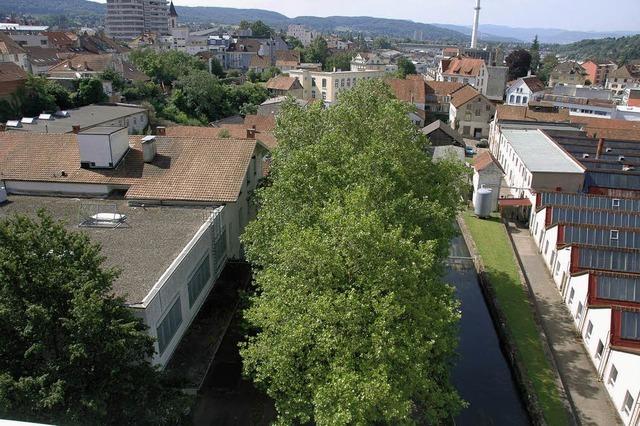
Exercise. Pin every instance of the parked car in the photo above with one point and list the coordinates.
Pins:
(469, 151)
(484, 143)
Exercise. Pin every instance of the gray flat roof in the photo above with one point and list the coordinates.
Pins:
(539, 153)
(142, 249)
(85, 117)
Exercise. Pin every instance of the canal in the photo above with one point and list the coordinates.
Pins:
(481, 374)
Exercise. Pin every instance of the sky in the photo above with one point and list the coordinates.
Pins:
(583, 15)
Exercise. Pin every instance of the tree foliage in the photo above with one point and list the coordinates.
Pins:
(339, 61)
(619, 50)
(90, 91)
(116, 79)
(354, 323)
(548, 64)
(382, 43)
(317, 52)
(165, 67)
(535, 55)
(258, 28)
(405, 67)
(70, 352)
(519, 63)
(37, 96)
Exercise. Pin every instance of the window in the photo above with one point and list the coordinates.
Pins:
(348, 82)
(525, 99)
(571, 295)
(169, 326)
(546, 248)
(478, 112)
(618, 288)
(579, 311)
(589, 330)
(615, 202)
(199, 280)
(599, 350)
(342, 82)
(613, 375)
(467, 116)
(324, 83)
(630, 325)
(627, 404)
(614, 234)
(512, 99)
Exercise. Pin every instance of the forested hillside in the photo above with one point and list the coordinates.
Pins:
(618, 50)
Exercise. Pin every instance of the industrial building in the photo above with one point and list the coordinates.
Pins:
(167, 211)
(591, 245)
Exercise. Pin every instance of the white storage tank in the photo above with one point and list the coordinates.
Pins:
(483, 202)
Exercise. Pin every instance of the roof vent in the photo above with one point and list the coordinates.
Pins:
(628, 168)
(101, 216)
(621, 158)
(14, 123)
(608, 150)
(45, 117)
(63, 114)
(149, 149)
(585, 155)
(28, 120)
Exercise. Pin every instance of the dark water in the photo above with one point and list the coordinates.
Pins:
(481, 375)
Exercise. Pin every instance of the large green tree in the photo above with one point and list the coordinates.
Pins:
(165, 67)
(519, 63)
(405, 67)
(535, 55)
(90, 91)
(548, 64)
(339, 61)
(317, 52)
(354, 324)
(70, 352)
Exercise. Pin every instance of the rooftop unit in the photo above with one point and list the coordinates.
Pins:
(102, 147)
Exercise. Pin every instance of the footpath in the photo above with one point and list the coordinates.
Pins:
(588, 395)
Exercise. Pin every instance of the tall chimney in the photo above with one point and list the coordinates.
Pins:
(600, 148)
(76, 128)
(161, 131)
(476, 21)
(251, 133)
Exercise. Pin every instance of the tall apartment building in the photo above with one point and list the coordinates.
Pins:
(127, 19)
(302, 33)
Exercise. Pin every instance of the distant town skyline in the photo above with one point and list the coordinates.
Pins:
(585, 15)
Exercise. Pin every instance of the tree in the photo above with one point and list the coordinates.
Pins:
(348, 250)
(535, 55)
(519, 63)
(382, 43)
(548, 64)
(405, 67)
(200, 95)
(294, 43)
(216, 68)
(269, 73)
(90, 91)
(339, 61)
(70, 352)
(261, 30)
(34, 98)
(116, 79)
(317, 52)
(165, 67)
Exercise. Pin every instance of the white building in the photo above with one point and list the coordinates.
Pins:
(523, 90)
(127, 19)
(302, 33)
(184, 207)
(487, 173)
(327, 85)
(589, 245)
(533, 162)
(470, 112)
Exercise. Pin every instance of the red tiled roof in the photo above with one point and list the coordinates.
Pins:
(185, 169)
(412, 91)
(483, 160)
(263, 123)
(534, 84)
(288, 56)
(225, 131)
(442, 88)
(10, 72)
(464, 66)
(463, 95)
(282, 82)
(8, 46)
(258, 61)
(523, 113)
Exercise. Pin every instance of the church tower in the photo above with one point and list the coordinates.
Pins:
(173, 17)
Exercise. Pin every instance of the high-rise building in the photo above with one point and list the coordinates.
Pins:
(127, 19)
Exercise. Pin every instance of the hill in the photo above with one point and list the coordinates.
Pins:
(619, 50)
(526, 35)
(224, 15)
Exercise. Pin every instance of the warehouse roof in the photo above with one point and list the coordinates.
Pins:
(539, 153)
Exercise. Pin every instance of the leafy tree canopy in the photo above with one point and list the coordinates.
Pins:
(405, 67)
(165, 67)
(382, 43)
(70, 352)
(339, 61)
(354, 323)
(317, 52)
(535, 55)
(519, 63)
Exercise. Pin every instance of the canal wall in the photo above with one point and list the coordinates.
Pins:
(507, 342)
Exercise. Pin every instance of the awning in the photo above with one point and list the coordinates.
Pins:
(514, 202)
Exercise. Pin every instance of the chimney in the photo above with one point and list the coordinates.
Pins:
(476, 21)
(76, 128)
(600, 148)
(149, 149)
(251, 133)
(161, 131)
(253, 126)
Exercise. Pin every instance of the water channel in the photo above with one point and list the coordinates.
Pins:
(481, 374)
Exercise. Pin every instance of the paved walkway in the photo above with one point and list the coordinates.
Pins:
(578, 374)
